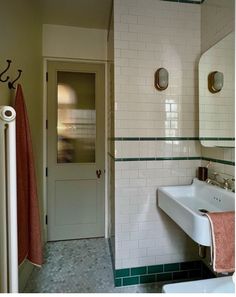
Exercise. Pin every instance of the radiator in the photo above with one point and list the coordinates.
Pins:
(8, 202)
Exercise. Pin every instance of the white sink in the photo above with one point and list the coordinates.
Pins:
(182, 204)
(214, 285)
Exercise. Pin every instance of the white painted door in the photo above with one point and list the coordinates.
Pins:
(76, 150)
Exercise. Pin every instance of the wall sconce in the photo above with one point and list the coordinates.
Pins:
(161, 79)
(215, 81)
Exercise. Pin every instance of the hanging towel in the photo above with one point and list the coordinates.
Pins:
(223, 240)
(29, 234)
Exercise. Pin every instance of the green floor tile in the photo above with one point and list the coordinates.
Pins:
(118, 282)
(155, 269)
(164, 277)
(171, 267)
(139, 270)
(147, 279)
(122, 272)
(133, 280)
(180, 275)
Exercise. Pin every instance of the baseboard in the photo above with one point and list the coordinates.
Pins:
(165, 272)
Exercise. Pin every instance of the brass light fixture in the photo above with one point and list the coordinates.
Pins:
(215, 81)
(161, 79)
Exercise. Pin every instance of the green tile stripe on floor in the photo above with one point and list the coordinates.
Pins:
(128, 281)
(118, 282)
(147, 278)
(139, 270)
(122, 272)
(162, 272)
(171, 267)
(155, 269)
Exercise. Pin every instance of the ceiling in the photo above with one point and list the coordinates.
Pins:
(78, 13)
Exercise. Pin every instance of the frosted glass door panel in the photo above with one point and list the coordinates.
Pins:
(76, 117)
(75, 150)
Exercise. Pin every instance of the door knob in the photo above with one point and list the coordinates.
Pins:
(98, 172)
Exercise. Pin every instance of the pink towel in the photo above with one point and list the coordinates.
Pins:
(29, 235)
(223, 240)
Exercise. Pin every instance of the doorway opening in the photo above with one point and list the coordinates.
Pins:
(75, 150)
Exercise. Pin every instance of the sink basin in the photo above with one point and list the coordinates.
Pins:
(223, 284)
(186, 206)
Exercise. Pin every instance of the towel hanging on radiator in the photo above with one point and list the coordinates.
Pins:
(223, 240)
(29, 234)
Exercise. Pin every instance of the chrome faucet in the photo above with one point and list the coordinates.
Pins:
(232, 185)
(225, 184)
(213, 182)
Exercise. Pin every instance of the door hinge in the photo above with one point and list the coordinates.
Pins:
(46, 219)
(46, 124)
(46, 171)
(46, 76)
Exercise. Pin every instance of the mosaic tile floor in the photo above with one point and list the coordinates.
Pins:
(79, 266)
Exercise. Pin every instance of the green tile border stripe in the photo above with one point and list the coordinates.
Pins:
(217, 138)
(162, 272)
(153, 138)
(171, 138)
(219, 161)
(225, 162)
(157, 159)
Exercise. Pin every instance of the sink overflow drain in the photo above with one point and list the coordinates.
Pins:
(203, 210)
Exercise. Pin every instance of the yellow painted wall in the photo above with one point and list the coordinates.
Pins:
(21, 41)
(25, 40)
(74, 42)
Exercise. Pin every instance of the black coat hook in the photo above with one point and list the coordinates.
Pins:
(8, 66)
(11, 84)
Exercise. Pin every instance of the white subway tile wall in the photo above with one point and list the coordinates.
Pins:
(149, 34)
(144, 234)
(157, 149)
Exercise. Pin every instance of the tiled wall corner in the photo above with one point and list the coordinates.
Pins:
(110, 136)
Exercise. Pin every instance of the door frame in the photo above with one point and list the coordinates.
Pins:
(45, 198)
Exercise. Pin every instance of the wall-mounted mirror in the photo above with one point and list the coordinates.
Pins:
(216, 108)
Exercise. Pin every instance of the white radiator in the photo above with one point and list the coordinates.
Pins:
(8, 202)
